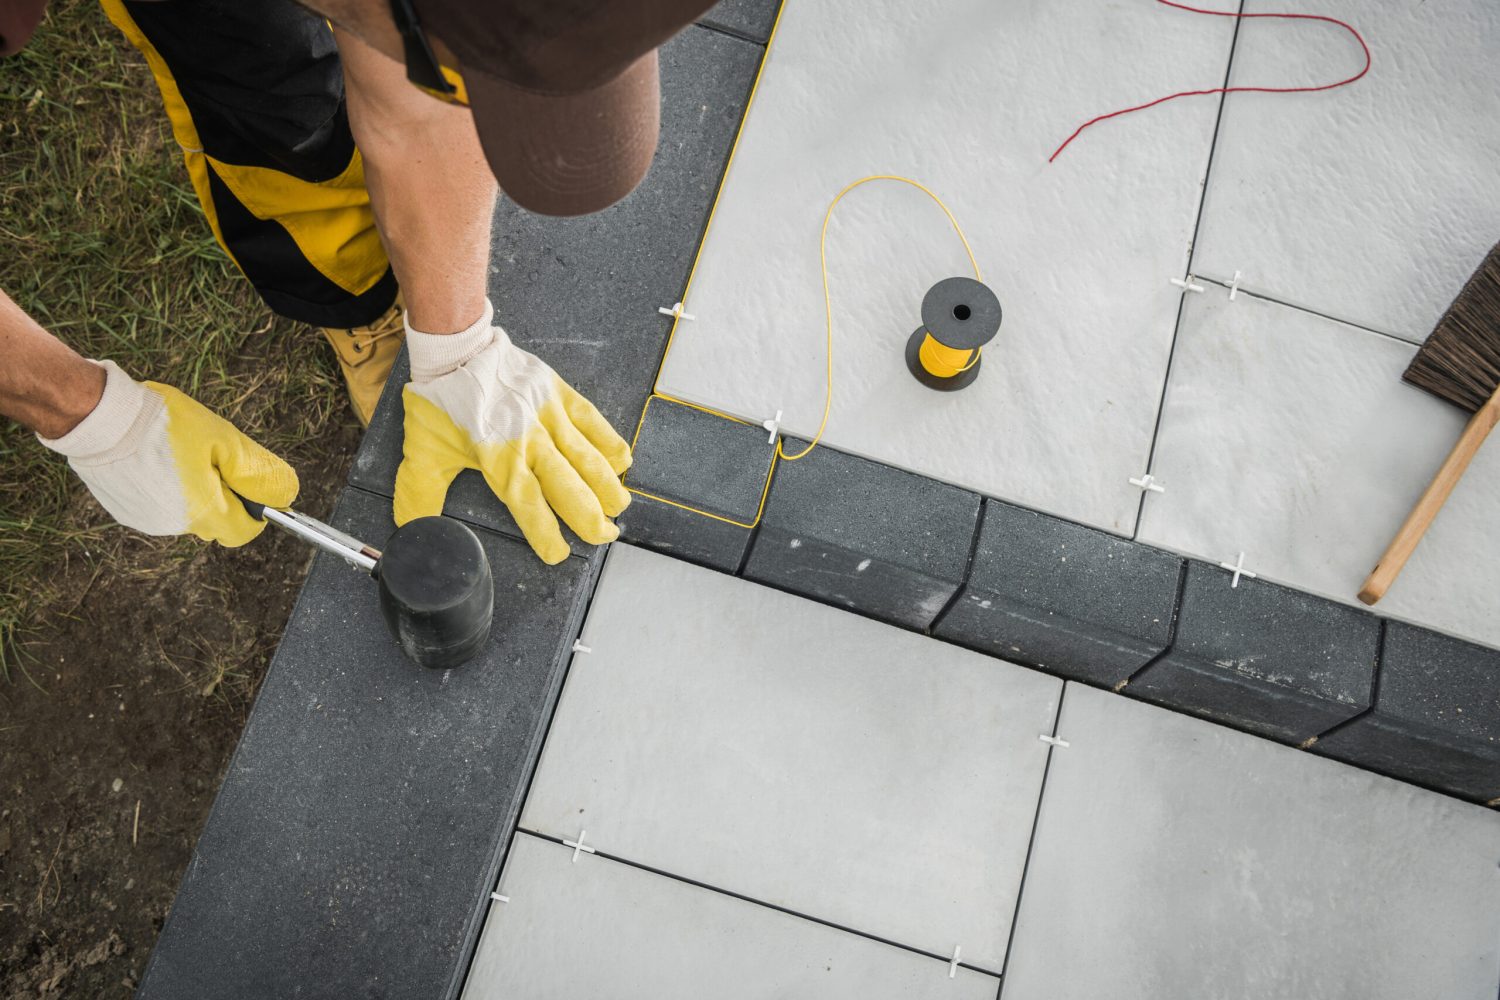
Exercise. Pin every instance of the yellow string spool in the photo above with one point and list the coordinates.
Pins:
(942, 361)
(780, 455)
(959, 316)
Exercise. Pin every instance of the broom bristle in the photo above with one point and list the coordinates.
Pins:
(1461, 360)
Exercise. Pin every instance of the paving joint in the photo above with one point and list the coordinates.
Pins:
(1171, 637)
(1208, 171)
(734, 33)
(1264, 297)
(1036, 817)
(686, 880)
(506, 832)
(968, 573)
(1312, 741)
(739, 569)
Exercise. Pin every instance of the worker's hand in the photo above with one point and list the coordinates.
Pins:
(162, 463)
(476, 401)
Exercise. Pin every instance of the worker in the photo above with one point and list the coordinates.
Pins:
(346, 154)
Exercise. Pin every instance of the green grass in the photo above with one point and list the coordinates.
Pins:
(105, 245)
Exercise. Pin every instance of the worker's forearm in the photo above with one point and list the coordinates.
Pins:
(431, 188)
(44, 384)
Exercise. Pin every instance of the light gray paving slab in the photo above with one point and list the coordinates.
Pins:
(969, 98)
(799, 755)
(1292, 438)
(1178, 860)
(600, 928)
(1373, 202)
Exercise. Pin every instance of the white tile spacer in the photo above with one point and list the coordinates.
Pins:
(579, 647)
(499, 898)
(675, 312)
(1234, 286)
(1238, 569)
(1186, 284)
(1054, 741)
(578, 845)
(953, 962)
(773, 426)
(1148, 482)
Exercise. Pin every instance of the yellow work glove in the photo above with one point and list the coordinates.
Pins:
(476, 401)
(162, 463)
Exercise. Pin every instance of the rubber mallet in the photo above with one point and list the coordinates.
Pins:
(436, 590)
(1460, 363)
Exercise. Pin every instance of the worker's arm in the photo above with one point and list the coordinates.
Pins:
(45, 385)
(430, 186)
(475, 401)
(155, 459)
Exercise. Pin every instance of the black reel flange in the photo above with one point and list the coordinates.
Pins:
(961, 314)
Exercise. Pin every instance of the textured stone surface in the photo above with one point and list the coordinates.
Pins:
(1293, 438)
(1068, 599)
(864, 535)
(1373, 202)
(798, 755)
(599, 928)
(1436, 718)
(1079, 251)
(750, 18)
(1264, 658)
(583, 293)
(705, 462)
(365, 810)
(1179, 859)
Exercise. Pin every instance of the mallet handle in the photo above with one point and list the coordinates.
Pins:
(353, 551)
(1417, 522)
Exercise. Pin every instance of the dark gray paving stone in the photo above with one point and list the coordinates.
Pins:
(1436, 719)
(583, 293)
(362, 821)
(703, 461)
(752, 19)
(1264, 658)
(1070, 600)
(864, 535)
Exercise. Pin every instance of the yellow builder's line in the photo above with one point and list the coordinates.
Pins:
(948, 360)
(944, 361)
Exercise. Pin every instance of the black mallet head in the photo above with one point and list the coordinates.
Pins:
(436, 591)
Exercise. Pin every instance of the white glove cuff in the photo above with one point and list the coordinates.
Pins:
(434, 355)
(109, 422)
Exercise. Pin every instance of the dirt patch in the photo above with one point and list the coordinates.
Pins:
(114, 745)
(138, 658)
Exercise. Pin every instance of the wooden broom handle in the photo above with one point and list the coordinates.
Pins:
(1417, 522)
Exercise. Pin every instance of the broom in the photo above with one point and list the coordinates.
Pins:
(1460, 363)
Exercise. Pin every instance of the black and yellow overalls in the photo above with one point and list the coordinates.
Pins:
(255, 93)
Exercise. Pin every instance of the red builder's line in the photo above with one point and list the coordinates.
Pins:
(1234, 90)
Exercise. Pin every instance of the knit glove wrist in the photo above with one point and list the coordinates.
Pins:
(476, 401)
(162, 463)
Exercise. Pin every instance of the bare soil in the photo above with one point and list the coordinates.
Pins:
(115, 738)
